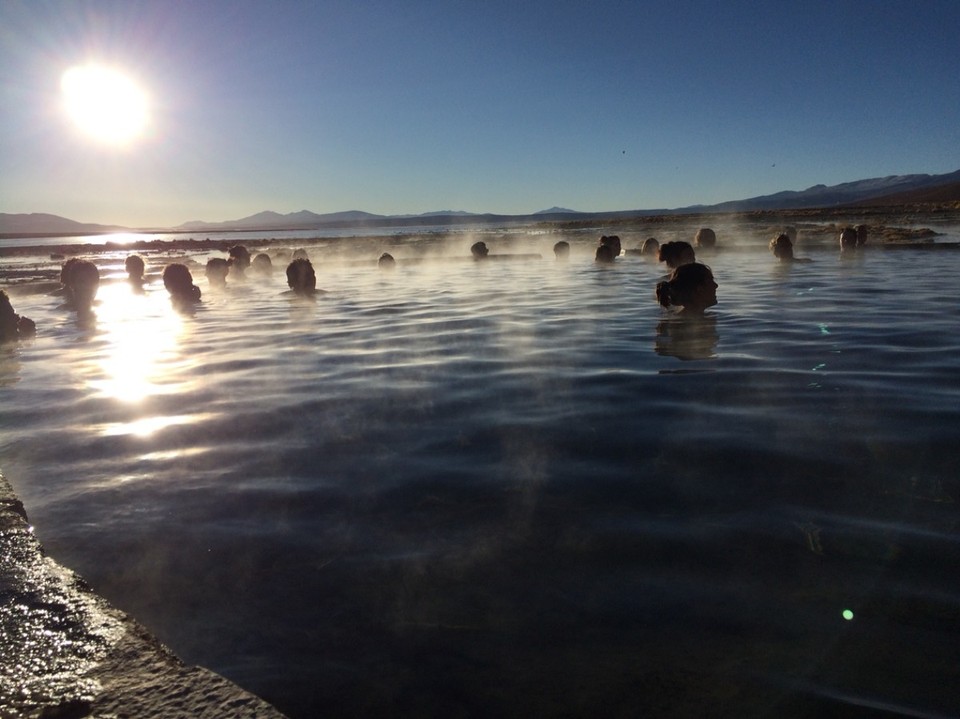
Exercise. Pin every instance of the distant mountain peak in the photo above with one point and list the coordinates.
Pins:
(270, 220)
(557, 211)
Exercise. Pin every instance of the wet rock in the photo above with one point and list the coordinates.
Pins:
(66, 653)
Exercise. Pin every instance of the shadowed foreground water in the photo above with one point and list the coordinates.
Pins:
(519, 488)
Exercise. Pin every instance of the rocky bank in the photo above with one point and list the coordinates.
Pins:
(65, 653)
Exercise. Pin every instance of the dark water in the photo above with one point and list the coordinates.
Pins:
(520, 488)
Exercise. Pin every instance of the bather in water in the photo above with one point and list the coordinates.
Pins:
(613, 242)
(561, 250)
(690, 287)
(239, 260)
(80, 280)
(782, 249)
(216, 270)
(848, 240)
(262, 265)
(179, 283)
(604, 255)
(386, 261)
(135, 268)
(479, 250)
(13, 327)
(706, 239)
(650, 247)
(676, 254)
(861, 231)
(301, 278)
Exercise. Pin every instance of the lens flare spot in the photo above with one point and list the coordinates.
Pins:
(848, 614)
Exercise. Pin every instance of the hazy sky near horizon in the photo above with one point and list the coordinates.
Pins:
(501, 107)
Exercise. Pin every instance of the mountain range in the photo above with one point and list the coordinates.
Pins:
(879, 191)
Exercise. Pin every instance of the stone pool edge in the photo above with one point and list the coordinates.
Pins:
(67, 652)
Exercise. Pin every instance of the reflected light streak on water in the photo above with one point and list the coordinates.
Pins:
(142, 356)
(148, 425)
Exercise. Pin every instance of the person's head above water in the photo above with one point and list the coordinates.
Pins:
(216, 271)
(650, 247)
(8, 320)
(179, 283)
(80, 279)
(613, 242)
(705, 239)
(386, 261)
(782, 247)
(239, 259)
(301, 278)
(604, 254)
(691, 286)
(65, 269)
(479, 250)
(848, 239)
(861, 231)
(262, 264)
(13, 327)
(561, 250)
(134, 267)
(676, 253)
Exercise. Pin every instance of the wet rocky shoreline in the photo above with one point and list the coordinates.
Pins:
(67, 653)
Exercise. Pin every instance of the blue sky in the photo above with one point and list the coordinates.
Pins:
(500, 107)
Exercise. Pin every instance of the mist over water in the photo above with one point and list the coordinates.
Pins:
(517, 488)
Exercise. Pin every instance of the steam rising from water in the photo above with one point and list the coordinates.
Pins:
(461, 474)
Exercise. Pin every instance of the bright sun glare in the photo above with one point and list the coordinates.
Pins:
(104, 103)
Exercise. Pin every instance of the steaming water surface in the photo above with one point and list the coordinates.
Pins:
(518, 488)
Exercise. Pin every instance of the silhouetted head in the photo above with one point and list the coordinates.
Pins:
(782, 247)
(216, 270)
(613, 242)
(179, 283)
(301, 278)
(561, 250)
(134, 267)
(706, 239)
(861, 235)
(604, 254)
(650, 247)
(676, 253)
(8, 320)
(386, 261)
(26, 327)
(691, 286)
(239, 259)
(262, 264)
(13, 327)
(791, 232)
(65, 269)
(848, 239)
(80, 279)
(479, 250)
(300, 254)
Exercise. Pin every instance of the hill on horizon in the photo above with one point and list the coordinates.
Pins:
(873, 192)
(50, 224)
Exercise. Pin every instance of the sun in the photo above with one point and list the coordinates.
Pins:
(105, 104)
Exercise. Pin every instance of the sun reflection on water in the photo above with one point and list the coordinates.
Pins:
(141, 357)
(167, 455)
(147, 426)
